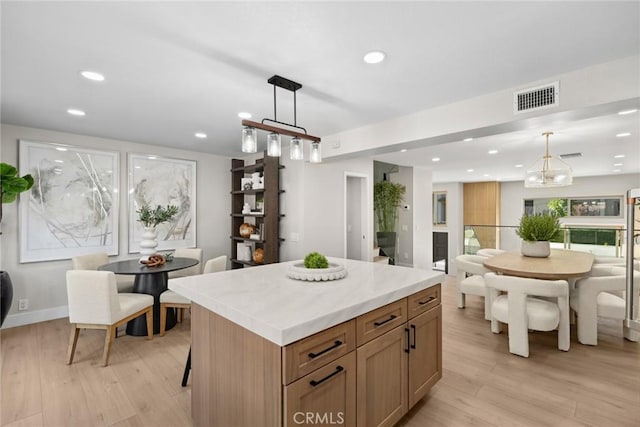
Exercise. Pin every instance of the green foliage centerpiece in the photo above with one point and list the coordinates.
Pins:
(536, 231)
(316, 268)
(316, 260)
(150, 218)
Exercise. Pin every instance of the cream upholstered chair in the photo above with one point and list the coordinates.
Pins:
(95, 260)
(473, 284)
(170, 299)
(489, 252)
(195, 253)
(522, 311)
(601, 295)
(215, 264)
(94, 303)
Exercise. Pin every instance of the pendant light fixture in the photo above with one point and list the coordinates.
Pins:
(274, 143)
(548, 171)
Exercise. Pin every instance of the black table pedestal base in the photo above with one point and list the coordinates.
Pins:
(152, 284)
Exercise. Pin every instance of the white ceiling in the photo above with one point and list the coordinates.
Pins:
(176, 68)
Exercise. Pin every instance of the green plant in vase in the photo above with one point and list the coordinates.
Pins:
(536, 231)
(150, 218)
(387, 197)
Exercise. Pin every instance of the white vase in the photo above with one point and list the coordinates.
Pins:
(536, 249)
(149, 242)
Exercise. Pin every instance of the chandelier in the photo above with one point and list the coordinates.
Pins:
(274, 143)
(548, 171)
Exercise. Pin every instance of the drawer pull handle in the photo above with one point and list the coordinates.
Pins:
(413, 328)
(427, 301)
(337, 371)
(336, 344)
(406, 350)
(376, 324)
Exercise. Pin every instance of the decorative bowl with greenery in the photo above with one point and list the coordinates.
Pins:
(316, 268)
(537, 228)
(151, 217)
(316, 260)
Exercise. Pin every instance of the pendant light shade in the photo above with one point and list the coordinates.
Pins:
(249, 139)
(315, 153)
(274, 145)
(548, 171)
(296, 151)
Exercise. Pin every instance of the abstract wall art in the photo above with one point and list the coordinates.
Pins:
(153, 181)
(72, 208)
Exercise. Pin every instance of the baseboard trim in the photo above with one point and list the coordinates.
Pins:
(21, 319)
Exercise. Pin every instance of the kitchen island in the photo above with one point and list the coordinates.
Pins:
(268, 350)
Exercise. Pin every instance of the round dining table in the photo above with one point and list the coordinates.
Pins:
(151, 281)
(561, 264)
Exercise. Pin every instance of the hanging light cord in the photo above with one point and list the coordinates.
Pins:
(275, 113)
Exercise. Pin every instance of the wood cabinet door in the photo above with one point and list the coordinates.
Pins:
(325, 397)
(425, 357)
(382, 379)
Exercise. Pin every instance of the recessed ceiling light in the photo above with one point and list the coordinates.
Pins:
(374, 57)
(76, 112)
(61, 148)
(468, 139)
(59, 161)
(469, 170)
(519, 166)
(244, 115)
(404, 150)
(625, 112)
(151, 157)
(617, 164)
(93, 75)
(618, 156)
(435, 159)
(617, 170)
(486, 174)
(623, 134)
(200, 135)
(492, 151)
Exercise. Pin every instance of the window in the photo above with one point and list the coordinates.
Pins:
(600, 207)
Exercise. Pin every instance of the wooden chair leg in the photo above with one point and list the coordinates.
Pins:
(163, 319)
(108, 340)
(73, 340)
(149, 315)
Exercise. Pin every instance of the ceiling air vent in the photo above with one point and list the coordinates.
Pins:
(570, 155)
(536, 98)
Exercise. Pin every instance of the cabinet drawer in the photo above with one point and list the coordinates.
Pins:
(423, 300)
(379, 321)
(324, 397)
(309, 354)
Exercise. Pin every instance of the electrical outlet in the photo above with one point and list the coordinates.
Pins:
(23, 304)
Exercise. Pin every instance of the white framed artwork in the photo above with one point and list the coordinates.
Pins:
(72, 208)
(155, 180)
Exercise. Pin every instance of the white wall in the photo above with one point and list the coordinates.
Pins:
(43, 283)
(422, 223)
(405, 217)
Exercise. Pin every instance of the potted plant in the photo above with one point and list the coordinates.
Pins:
(387, 196)
(12, 185)
(150, 219)
(536, 231)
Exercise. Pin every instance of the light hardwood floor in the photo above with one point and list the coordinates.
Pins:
(482, 384)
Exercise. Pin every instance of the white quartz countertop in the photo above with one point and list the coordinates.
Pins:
(283, 310)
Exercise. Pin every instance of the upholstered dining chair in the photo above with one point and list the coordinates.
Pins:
(194, 253)
(601, 295)
(170, 299)
(489, 252)
(522, 311)
(94, 303)
(95, 260)
(470, 281)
